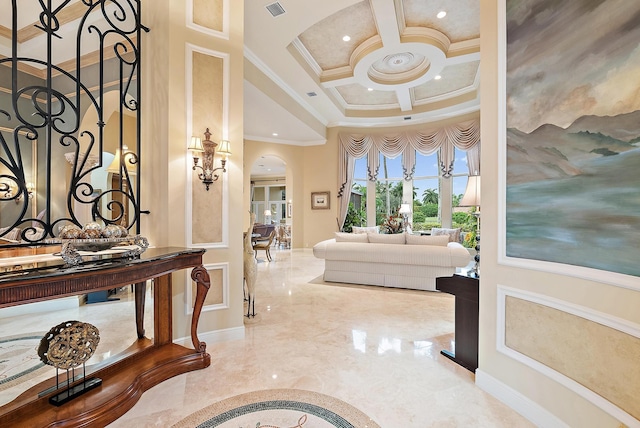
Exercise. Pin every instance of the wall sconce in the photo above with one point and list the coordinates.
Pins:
(30, 191)
(208, 150)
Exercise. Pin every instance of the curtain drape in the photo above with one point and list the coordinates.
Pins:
(465, 136)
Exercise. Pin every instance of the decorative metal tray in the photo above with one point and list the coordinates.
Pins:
(71, 247)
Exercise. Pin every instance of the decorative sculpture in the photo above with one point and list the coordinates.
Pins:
(67, 346)
(250, 269)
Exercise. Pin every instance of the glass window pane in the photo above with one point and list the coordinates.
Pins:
(426, 166)
(426, 209)
(390, 168)
(388, 199)
(277, 193)
(360, 169)
(460, 162)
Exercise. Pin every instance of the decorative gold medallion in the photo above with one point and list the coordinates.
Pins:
(69, 344)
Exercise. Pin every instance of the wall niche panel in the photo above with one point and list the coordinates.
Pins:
(601, 358)
(207, 112)
(209, 14)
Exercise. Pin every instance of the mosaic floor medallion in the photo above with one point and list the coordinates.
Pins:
(19, 360)
(279, 408)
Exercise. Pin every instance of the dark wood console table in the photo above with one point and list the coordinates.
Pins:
(467, 291)
(143, 365)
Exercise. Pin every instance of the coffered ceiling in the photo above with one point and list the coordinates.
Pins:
(400, 64)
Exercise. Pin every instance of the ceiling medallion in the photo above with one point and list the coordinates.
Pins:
(397, 63)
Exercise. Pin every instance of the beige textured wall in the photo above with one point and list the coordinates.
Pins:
(208, 13)
(165, 140)
(321, 174)
(607, 299)
(207, 113)
(610, 369)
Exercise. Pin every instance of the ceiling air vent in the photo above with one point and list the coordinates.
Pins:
(311, 94)
(275, 9)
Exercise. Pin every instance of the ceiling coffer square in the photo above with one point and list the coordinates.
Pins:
(275, 9)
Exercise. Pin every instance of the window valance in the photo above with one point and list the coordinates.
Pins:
(465, 136)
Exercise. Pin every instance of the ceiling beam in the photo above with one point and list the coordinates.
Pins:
(384, 12)
(404, 99)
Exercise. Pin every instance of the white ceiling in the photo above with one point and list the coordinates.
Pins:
(268, 166)
(397, 49)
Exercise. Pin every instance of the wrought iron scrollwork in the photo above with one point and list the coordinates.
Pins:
(61, 107)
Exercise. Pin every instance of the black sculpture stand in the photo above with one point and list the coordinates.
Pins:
(466, 291)
(70, 393)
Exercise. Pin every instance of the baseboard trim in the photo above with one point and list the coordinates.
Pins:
(216, 336)
(531, 410)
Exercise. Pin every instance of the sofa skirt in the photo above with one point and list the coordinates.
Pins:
(386, 275)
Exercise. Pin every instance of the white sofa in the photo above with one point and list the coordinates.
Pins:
(404, 261)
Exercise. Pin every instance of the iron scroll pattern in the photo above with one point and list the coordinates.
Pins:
(51, 109)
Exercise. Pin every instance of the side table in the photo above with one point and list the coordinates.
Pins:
(466, 290)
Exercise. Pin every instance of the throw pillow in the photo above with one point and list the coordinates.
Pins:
(372, 229)
(441, 240)
(351, 237)
(454, 234)
(381, 238)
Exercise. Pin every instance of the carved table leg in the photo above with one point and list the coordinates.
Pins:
(201, 277)
(140, 292)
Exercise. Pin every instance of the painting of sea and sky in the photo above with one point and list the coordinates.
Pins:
(573, 133)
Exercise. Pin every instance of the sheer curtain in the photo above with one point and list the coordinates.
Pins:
(465, 136)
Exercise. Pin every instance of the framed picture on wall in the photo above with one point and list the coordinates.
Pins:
(320, 200)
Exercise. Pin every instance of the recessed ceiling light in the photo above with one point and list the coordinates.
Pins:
(438, 77)
(369, 89)
(346, 38)
(441, 14)
(275, 134)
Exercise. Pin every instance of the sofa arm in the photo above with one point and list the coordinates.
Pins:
(460, 256)
(320, 249)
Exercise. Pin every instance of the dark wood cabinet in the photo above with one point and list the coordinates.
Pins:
(466, 291)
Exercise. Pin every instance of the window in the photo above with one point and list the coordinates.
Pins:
(427, 200)
(271, 197)
(435, 198)
(389, 188)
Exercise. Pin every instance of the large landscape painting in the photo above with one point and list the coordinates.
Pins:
(573, 137)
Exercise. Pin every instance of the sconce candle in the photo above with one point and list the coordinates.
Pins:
(208, 149)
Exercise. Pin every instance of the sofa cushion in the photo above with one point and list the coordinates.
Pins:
(381, 238)
(351, 237)
(454, 234)
(441, 240)
(372, 229)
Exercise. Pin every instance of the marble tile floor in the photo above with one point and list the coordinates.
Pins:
(376, 348)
